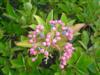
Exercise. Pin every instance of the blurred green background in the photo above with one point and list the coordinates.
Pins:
(18, 17)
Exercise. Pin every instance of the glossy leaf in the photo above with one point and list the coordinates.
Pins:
(50, 16)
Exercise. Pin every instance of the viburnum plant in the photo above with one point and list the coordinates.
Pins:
(59, 37)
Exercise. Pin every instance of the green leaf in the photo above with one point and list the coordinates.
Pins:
(23, 38)
(6, 70)
(57, 73)
(63, 7)
(64, 18)
(92, 68)
(10, 10)
(85, 37)
(18, 63)
(75, 56)
(33, 26)
(2, 47)
(83, 62)
(71, 22)
(69, 71)
(39, 20)
(23, 44)
(1, 33)
(2, 62)
(50, 16)
(28, 6)
(83, 45)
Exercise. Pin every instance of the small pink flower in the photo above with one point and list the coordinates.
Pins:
(34, 32)
(38, 27)
(59, 21)
(63, 58)
(42, 27)
(65, 54)
(57, 33)
(70, 37)
(48, 43)
(42, 50)
(52, 22)
(34, 46)
(62, 66)
(68, 56)
(67, 34)
(54, 41)
(62, 24)
(68, 46)
(48, 35)
(37, 30)
(44, 43)
(31, 51)
(54, 28)
(31, 41)
(33, 59)
(64, 28)
(47, 39)
(34, 52)
(64, 62)
(34, 36)
(58, 38)
(46, 53)
(30, 35)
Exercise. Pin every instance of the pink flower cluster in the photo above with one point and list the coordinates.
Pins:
(67, 55)
(41, 43)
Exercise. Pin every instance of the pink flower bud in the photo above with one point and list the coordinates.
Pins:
(44, 43)
(59, 21)
(31, 51)
(64, 28)
(37, 30)
(48, 43)
(67, 34)
(58, 38)
(70, 37)
(65, 55)
(69, 44)
(47, 39)
(63, 58)
(64, 62)
(54, 28)
(42, 50)
(46, 53)
(34, 46)
(34, 36)
(57, 33)
(33, 59)
(48, 35)
(54, 41)
(34, 32)
(52, 22)
(31, 41)
(62, 66)
(34, 52)
(41, 27)
(62, 24)
(30, 35)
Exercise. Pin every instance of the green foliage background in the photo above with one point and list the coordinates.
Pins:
(18, 17)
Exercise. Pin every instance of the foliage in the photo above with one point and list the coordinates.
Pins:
(18, 17)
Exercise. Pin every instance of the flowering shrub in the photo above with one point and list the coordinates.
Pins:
(58, 34)
(51, 43)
